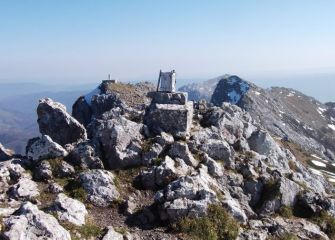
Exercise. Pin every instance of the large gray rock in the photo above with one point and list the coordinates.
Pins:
(5, 154)
(283, 193)
(262, 143)
(233, 123)
(99, 186)
(64, 170)
(69, 210)
(218, 150)
(181, 150)
(187, 196)
(170, 118)
(87, 155)
(168, 171)
(120, 140)
(104, 102)
(82, 111)
(44, 148)
(215, 169)
(279, 228)
(148, 157)
(234, 208)
(29, 223)
(300, 227)
(10, 172)
(43, 171)
(24, 189)
(54, 121)
(253, 188)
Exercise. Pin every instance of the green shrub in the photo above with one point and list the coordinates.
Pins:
(56, 164)
(74, 189)
(286, 212)
(326, 223)
(217, 225)
(285, 236)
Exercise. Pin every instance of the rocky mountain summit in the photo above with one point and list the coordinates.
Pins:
(131, 163)
(285, 113)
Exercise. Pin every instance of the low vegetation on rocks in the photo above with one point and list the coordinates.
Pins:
(216, 225)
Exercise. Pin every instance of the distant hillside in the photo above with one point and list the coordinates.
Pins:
(284, 112)
(18, 116)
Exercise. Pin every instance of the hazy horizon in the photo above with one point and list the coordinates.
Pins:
(319, 86)
(80, 42)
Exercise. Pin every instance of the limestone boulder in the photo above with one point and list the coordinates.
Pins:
(148, 157)
(10, 173)
(81, 110)
(44, 148)
(54, 121)
(5, 154)
(99, 186)
(181, 150)
(187, 196)
(121, 141)
(43, 171)
(168, 171)
(69, 210)
(111, 234)
(31, 223)
(25, 189)
(86, 155)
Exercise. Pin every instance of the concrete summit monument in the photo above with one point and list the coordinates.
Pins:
(169, 110)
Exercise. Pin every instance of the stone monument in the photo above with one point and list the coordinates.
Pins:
(169, 110)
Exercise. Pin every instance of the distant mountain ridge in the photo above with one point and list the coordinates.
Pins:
(282, 111)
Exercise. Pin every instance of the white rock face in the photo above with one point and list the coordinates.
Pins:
(10, 172)
(215, 169)
(262, 143)
(217, 149)
(5, 154)
(181, 150)
(99, 186)
(87, 156)
(54, 121)
(70, 210)
(112, 235)
(187, 196)
(44, 148)
(167, 171)
(24, 189)
(234, 208)
(121, 141)
(29, 223)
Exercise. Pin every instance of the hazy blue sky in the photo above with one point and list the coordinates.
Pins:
(80, 41)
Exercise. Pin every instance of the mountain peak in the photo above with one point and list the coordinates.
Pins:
(230, 89)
